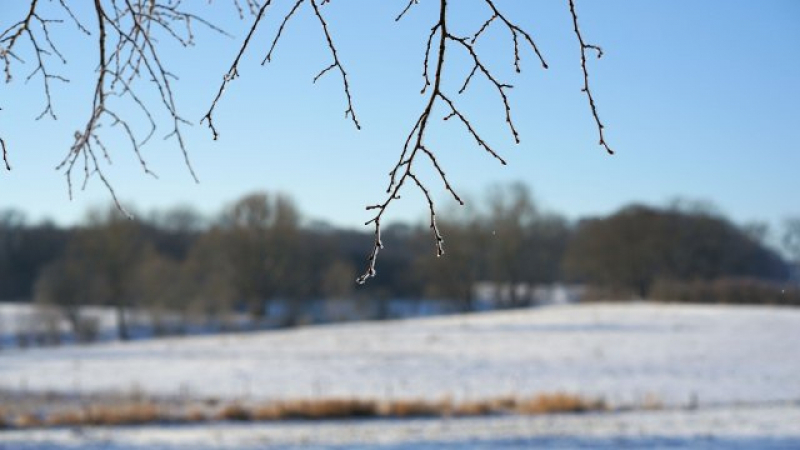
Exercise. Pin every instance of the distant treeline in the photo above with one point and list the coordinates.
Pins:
(259, 250)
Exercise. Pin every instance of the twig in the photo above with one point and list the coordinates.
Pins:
(43, 48)
(349, 111)
(515, 31)
(5, 154)
(478, 139)
(280, 31)
(233, 72)
(436, 234)
(405, 10)
(500, 87)
(584, 47)
(427, 56)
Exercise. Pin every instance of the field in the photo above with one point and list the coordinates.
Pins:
(667, 376)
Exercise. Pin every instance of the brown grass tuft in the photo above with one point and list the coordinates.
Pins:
(416, 408)
(234, 411)
(26, 420)
(129, 414)
(316, 409)
(194, 414)
(66, 418)
(272, 411)
(472, 408)
(503, 404)
(557, 403)
(138, 413)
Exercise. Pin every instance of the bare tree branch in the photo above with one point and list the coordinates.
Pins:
(43, 48)
(128, 42)
(5, 154)
(405, 10)
(278, 35)
(417, 134)
(500, 87)
(233, 72)
(584, 47)
(515, 33)
(415, 143)
(349, 111)
(252, 7)
(129, 36)
(455, 112)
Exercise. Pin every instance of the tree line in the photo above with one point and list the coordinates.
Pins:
(260, 252)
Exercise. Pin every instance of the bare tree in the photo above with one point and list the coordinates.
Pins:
(129, 36)
(262, 240)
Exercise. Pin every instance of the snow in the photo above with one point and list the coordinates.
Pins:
(726, 377)
(626, 354)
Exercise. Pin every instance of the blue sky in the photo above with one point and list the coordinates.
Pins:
(700, 100)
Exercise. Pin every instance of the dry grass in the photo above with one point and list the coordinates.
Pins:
(126, 414)
(144, 411)
(353, 407)
(416, 408)
(195, 414)
(472, 408)
(557, 403)
(235, 411)
(26, 420)
(66, 418)
(316, 409)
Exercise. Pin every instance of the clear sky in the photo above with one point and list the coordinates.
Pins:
(700, 100)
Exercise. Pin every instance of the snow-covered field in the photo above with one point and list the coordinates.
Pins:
(739, 366)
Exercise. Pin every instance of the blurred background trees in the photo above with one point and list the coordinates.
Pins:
(639, 245)
(259, 263)
(24, 249)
